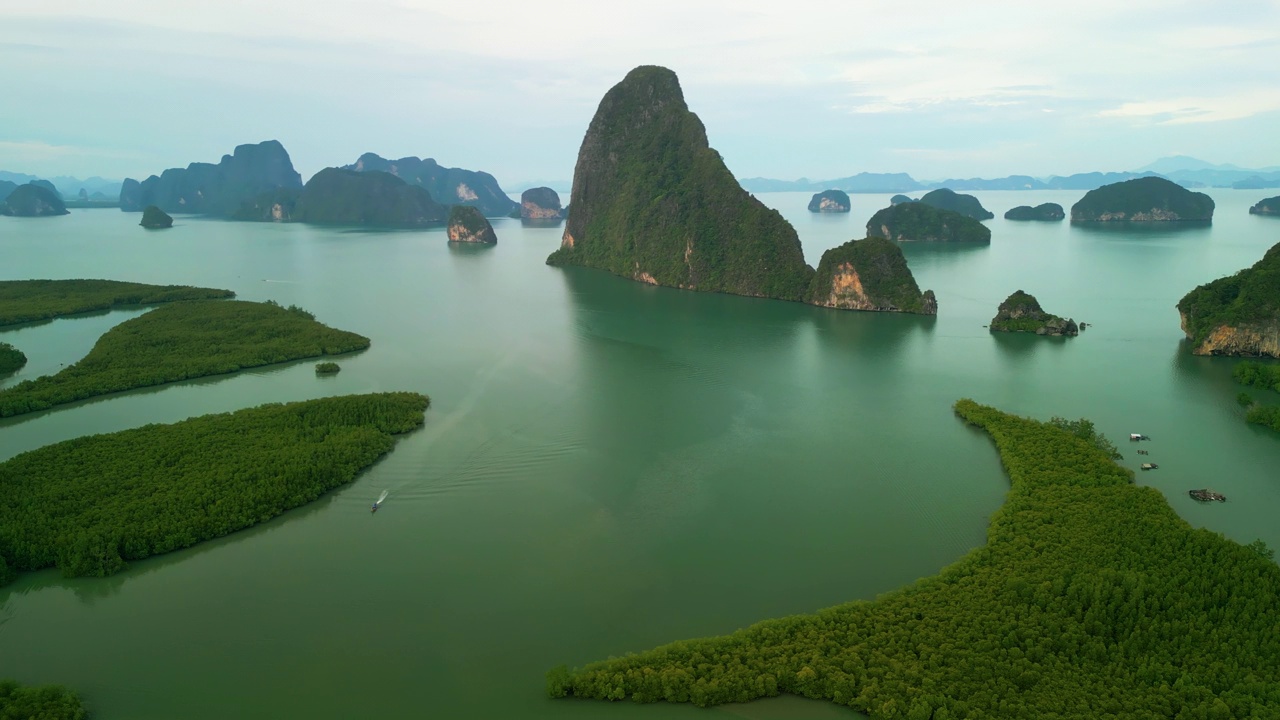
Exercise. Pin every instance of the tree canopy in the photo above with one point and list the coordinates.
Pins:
(90, 505)
(181, 341)
(1091, 598)
(33, 300)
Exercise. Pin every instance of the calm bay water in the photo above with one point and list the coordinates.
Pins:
(606, 466)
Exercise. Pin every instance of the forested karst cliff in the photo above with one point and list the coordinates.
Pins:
(918, 222)
(345, 197)
(209, 189)
(1238, 314)
(870, 274)
(653, 202)
(447, 186)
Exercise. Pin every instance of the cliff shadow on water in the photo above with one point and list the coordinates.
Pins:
(878, 335)
(1019, 346)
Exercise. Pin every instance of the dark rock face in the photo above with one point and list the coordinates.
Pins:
(899, 199)
(1021, 312)
(447, 186)
(966, 205)
(830, 201)
(6, 187)
(153, 218)
(33, 200)
(918, 222)
(653, 202)
(1046, 212)
(1148, 199)
(468, 225)
(279, 205)
(540, 203)
(869, 274)
(1270, 206)
(220, 189)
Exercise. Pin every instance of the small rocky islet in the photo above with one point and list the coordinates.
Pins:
(539, 203)
(947, 199)
(1021, 312)
(468, 225)
(830, 201)
(920, 222)
(153, 218)
(1044, 212)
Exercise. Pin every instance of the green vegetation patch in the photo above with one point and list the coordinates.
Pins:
(182, 341)
(1091, 598)
(44, 702)
(32, 300)
(90, 505)
(1251, 296)
(327, 368)
(1256, 374)
(11, 359)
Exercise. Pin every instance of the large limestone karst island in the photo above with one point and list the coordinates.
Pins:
(948, 199)
(1238, 314)
(447, 186)
(32, 200)
(830, 201)
(335, 196)
(1146, 199)
(918, 222)
(1021, 312)
(869, 274)
(653, 202)
(208, 189)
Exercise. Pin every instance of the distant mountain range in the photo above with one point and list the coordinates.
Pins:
(1186, 171)
(70, 187)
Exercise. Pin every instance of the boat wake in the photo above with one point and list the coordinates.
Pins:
(382, 497)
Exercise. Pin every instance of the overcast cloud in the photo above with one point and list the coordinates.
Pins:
(801, 88)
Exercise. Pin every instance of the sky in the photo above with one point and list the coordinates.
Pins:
(786, 89)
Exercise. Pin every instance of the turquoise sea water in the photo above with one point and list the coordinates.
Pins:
(606, 466)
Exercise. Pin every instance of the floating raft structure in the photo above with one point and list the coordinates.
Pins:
(1135, 437)
(1206, 495)
(1150, 466)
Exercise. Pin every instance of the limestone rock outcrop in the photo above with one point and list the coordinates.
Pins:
(468, 225)
(1238, 314)
(830, 201)
(1021, 312)
(870, 274)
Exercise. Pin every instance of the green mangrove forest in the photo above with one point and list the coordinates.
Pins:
(89, 506)
(1091, 598)
(43, 702)
(1259, 375)
(11, 359)
(181, 341)
(24, 301)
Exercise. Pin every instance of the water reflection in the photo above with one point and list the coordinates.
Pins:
(469, 250)
(541, 223)
(1145, 231)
